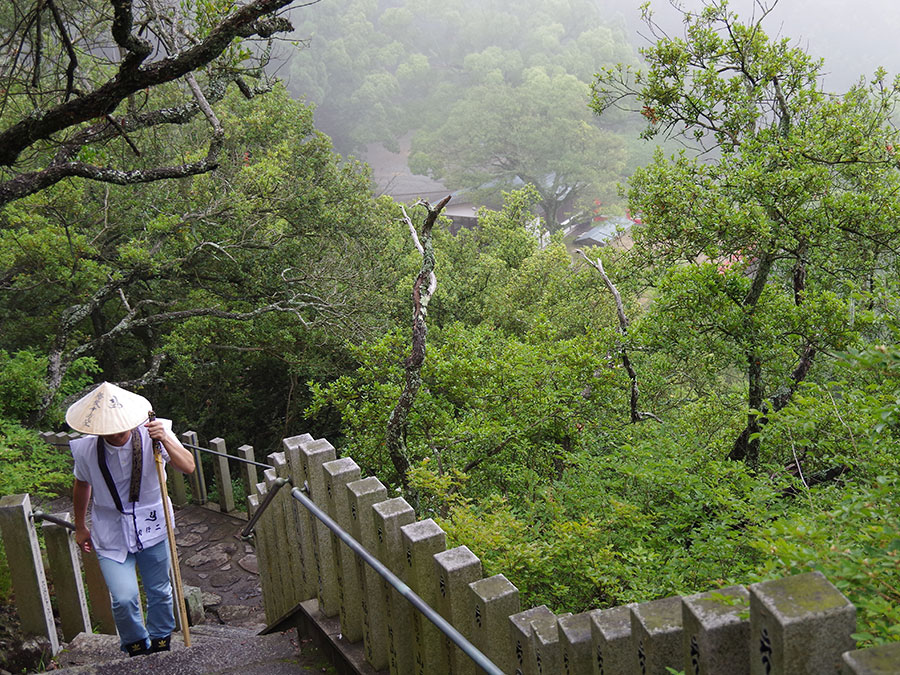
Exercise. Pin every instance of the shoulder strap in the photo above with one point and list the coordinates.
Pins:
(136, 469)
(107, 478)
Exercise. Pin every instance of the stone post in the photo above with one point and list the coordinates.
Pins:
(309, 581)
(248, 471)
(389, 517)
(575, 641)
(521, 627)
(421, 541)
(547, 651)
(337, 474)
(881, 660)
(614, 650)
(177, 490)
(658, 636)
(717, 632)
(799, 625)
(267, 541)
(363, 495)
(65, 572)
(313, 454)
(198, 481)
(26, 569)
(223, 476)
(276, 529)
(98, 595)
(292, 561)
(265, 564)
(491, 603)
(456, 569)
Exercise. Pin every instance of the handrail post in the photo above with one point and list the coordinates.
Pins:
(421, 541)
(223, 475)
(198, 481)
(390, 516)
(248, 470)
(394, 581)
(337, 474)
(65, 570)
(26, 568)
(281, 568)
(363, 495)
(308, 581)
(456, 569)
(313, 455)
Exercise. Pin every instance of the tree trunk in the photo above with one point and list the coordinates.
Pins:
(746, 448)
(423, 288)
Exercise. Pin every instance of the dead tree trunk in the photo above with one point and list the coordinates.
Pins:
(423, 289)
(636, 415)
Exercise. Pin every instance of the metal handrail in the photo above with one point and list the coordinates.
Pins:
(40, 515)
(270, 495)
(440, 622)
(226, 455)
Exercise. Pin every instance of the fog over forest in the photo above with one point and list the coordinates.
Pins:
(485, 96)
(854, 37)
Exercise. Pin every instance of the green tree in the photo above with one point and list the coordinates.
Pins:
(377, 71)
(759, 243)
(65, 97)
(500, 136)
(190, 274)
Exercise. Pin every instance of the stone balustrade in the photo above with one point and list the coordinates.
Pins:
(792, 626)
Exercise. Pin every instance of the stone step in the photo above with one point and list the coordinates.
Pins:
(214, 649)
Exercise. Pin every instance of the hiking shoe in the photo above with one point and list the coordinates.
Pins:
(136, 648)
(160, 644)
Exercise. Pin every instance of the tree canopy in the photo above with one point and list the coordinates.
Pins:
(86, 82)
(761, 245)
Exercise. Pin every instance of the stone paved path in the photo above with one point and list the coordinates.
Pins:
(215, 559)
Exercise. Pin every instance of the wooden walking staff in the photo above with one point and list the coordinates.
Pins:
(173, 550)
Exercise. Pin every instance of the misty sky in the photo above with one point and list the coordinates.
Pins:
(853, 36)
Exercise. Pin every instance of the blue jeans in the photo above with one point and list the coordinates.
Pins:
(153, 563)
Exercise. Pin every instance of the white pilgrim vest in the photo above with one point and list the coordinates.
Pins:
(115, 534)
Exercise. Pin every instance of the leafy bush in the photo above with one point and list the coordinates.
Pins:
(31, 465)
(852, 535)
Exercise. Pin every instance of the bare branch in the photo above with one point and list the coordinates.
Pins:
(247, 21)
(636, 415)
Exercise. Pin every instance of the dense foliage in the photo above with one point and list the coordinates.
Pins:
(492, 94)
(761, 297)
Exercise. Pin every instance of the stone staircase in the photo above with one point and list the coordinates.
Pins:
(214, 649)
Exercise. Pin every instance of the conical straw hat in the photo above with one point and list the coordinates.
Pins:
(108, 409)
